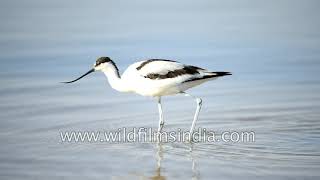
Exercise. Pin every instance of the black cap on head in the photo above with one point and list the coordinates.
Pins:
(102, 60)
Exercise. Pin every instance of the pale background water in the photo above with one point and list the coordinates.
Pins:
(271, 47)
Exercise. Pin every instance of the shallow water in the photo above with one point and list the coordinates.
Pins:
(272, 48)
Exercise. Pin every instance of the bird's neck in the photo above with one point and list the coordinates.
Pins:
(114, 79)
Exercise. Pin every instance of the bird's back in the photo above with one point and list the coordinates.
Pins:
(158, 77)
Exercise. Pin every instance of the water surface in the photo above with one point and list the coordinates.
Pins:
(272, 48)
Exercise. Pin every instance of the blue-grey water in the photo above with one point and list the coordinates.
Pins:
(271, 47)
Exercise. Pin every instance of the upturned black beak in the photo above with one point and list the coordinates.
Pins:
(91, 71)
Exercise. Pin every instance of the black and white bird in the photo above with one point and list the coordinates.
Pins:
(156, 78)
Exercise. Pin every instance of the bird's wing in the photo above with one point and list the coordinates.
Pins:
(159, 69)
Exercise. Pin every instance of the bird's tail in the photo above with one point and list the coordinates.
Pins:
(210, 75)
(219, 73)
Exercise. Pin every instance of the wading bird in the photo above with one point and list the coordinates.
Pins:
(156, 78)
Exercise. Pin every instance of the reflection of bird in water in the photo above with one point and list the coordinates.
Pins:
(156, 78)
(195, 171)
(159, 157)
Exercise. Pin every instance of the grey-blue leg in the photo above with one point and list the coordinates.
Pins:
(161, 121)
(196, 115)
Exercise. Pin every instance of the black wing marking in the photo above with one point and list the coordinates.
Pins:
(186, 70)
(152, 60)
(215, 74)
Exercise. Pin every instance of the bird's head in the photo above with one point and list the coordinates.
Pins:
(102, 63)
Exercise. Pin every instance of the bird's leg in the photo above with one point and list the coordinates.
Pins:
(161, 121)
(196, 115)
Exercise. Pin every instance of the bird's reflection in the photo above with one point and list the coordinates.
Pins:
(160, 157)
(195, 171)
